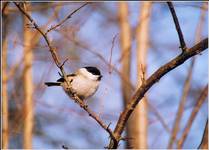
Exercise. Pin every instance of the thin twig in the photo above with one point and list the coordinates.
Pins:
(94, 116)
(180, 111)
(123, 77)
(60, 66)
(111, 51)
(187, 83)
(64, 62)
(195, 110)
(158, 116)
(5, 4)
(66, 18)
(178, 28)
(155, 77)
(204, 141)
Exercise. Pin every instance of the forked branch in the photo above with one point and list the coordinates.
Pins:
(66, 18)
(61, 67)
(154, 78)
(178, 28)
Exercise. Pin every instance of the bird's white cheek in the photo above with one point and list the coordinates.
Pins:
(88, 75)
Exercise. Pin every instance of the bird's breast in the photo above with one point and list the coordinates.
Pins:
(84, 87)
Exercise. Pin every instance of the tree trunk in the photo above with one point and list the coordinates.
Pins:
(140, 113)
(5, 131)
(125, 40)
(28, 86)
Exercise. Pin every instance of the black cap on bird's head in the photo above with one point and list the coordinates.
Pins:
(94, 71)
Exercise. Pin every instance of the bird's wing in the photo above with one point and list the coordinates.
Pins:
(62, 79)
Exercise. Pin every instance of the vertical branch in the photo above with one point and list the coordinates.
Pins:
(148, 83)
(60, 66)
(187, 84)
(182, 103)
(140, 113)
(28, 84)
(195, 110)
(125, 40)
(178, 28)
(204, 142)
(5, 132)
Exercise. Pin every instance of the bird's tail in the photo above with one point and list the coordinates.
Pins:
(52, 83)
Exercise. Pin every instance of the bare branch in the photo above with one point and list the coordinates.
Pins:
(187, 83)
(60, 66)
(178, 28)
(154, 78)
(158, 116)
(5, 102)
(195, 110)
(111, 50)
(122, 76)
(179, 114)
(63, 63)
(204, 142)
(94, 116)
(66, 18)
(5, 4)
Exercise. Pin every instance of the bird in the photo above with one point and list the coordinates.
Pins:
(84, 82)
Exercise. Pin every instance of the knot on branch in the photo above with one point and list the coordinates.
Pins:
(184, 48)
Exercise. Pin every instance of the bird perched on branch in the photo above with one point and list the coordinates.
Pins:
(84, 82)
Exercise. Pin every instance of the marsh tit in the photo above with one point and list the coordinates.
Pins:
(84, 82)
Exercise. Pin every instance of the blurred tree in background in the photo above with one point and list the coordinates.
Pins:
(128, 42)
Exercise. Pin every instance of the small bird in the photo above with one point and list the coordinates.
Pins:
(84, 82)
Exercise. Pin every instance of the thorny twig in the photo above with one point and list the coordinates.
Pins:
(66, 18)
(60, 66)
(178, 28)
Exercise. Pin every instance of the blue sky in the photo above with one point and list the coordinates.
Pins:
(71, 126)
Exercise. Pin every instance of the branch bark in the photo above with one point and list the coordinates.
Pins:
(61, 67)
(195, 110)
(178, 28)
(66, 18)
(125, 42)
(180, 111)
(187, 83)
(28, 84)
(154, 78)
(204, 142)
(5, 113)
(121, 75)
(139, 117)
